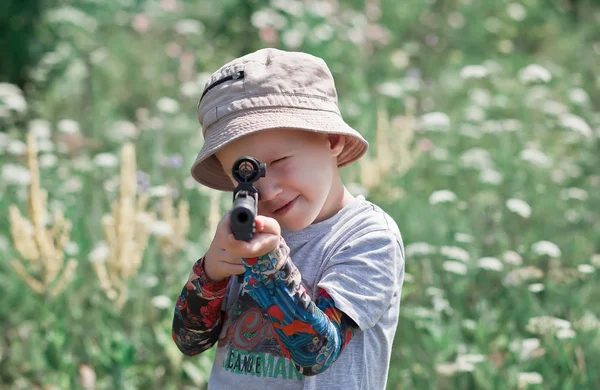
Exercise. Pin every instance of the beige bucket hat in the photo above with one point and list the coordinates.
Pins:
(264, 90)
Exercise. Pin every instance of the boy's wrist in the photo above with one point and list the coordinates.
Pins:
(206, 281)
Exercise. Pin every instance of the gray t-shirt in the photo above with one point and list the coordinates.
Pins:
(357, 256)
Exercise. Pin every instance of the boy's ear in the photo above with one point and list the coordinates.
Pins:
(336, 143)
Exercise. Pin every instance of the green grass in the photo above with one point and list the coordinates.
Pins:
(460, 326)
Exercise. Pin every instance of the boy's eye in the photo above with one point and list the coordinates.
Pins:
(278, 160)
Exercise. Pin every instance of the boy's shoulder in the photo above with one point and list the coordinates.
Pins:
(364, 217)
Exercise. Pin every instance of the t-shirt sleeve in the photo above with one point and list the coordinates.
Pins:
(364, 275)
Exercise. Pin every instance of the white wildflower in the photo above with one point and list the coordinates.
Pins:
(391, 88)
(167, 105)
(574, 193)
(471, 358)
(4, 141)
(512, 257)
(595, 259)
(546, 325)
(148, 280)
(268, 17)
(474, 72)
(161, 229)
(100, 252)
(464, 366)
(586, 268)
(474, 114)
(68, 126)
(456, 20)
(48, 160)
(565, 334)
(446, 369)
(519, 206)
(516, 11)
(463, 237)
(527, 348)
(579, 96)
(441, 304)
(435, 121)
(536, 157)
(576, 123)
(490, 176)
(529, 378)
(419, 249)
(71, 248)
(16, 147)
(511, 125)
(106, 160)
(536, 287)
(40, 128)
(72, 15)
(74, 185)
(292, 7)
(490, 264)
(293, 38)
(11, 97)
(455, 253)
(554, 108)
(189, 27)
(190, 89)
(161, 302)
(478, 158)
(122, 131)
(4, 244)
(546, 248)
(481, 97)
(520, 275)
(45, 145)
(534, 73)
(13, 174)
(159, 191)
(442, 196)
(589, 322)
(440, 154)
(469, 324)
(455, 267)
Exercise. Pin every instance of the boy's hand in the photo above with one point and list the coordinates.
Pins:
(224, 257)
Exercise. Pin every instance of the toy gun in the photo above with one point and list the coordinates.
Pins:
(246, 170)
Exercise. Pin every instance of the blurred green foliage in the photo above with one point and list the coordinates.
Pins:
(492, 130)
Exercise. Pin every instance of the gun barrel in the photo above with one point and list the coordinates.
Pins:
(242, 217)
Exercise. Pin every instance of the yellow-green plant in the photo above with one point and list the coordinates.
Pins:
(41, 247)
(126, 231)
(394, 151)
(178, 221)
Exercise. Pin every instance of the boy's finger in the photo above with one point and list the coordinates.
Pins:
(267, 225)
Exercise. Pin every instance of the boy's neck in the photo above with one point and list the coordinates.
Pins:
(339, 198)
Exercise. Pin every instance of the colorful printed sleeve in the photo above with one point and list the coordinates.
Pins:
(311, 334)
(198, 318)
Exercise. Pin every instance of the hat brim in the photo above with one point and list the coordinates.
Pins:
(208, 171)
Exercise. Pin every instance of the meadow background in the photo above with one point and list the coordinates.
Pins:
(484, 123)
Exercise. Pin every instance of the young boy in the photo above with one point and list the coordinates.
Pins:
(318, 306)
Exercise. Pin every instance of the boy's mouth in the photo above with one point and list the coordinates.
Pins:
(285, 207)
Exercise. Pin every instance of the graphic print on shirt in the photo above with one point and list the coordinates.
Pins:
(251, 345)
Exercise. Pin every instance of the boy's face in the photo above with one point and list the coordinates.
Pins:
(301, 173)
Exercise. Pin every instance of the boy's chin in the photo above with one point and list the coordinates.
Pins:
(292, 225)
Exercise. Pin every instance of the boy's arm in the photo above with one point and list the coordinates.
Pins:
(197, 320)
(311, 334)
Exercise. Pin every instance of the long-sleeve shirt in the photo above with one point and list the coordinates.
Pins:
(319, 312)
(311, 334)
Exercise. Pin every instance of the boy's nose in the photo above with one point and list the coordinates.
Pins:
(268, 189)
